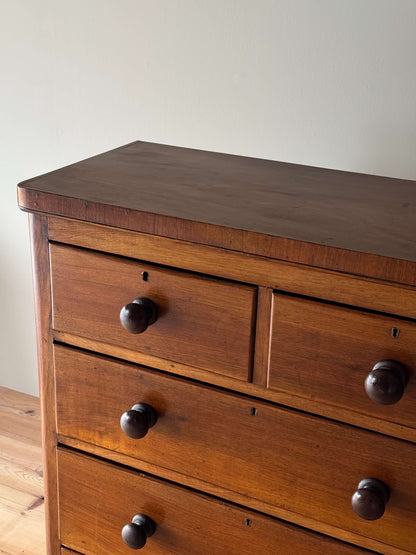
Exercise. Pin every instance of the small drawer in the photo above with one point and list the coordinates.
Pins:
(97, 500)
(203, 323)
(280, 460)
(326, 353)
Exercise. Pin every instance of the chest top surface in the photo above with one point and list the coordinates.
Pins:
(356, 223)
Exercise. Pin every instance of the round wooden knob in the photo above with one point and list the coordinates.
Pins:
(386, 382)
(136, 316)
(369, 501)
(136, 422)
(135, 533)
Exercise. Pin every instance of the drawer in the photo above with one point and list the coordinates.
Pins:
(279, 459)
(325, 353)
(203, 323)
(98, 500)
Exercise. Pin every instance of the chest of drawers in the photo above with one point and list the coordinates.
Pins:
(227, 355)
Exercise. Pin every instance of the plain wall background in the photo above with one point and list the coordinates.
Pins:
(322, 82)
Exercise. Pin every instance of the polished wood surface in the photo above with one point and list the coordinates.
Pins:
(186, 522)
(42, 292)
(313, 216)
(326, 352)
(247, 388)
(295, 278)
(22, 519)
(327, 285)
(219, 438)
(266, 374)
(202, 322)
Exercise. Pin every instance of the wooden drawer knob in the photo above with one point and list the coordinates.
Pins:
(369, 501)
(135, 533)
(386, 382)
(136, 316)
(136, 422)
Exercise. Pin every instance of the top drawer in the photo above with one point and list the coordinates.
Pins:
(325, 353)
(204, 323)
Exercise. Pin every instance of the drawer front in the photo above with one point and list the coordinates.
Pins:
(289, 460)
(202, 322)
(325, 353)
(97, 500)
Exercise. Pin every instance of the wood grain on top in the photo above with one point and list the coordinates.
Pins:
(343, 221)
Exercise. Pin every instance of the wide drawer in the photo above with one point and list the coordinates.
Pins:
(325, 352)
(203, 323)
(284, 460)
(97, 500)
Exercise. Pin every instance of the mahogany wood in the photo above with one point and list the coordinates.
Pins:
(313, 216)
(185, 521)
(326, 352)
(42, 292)
(203, 323)
(282, 397)
(235, 497)
(278, 287)
(218, 438)
(304, 280)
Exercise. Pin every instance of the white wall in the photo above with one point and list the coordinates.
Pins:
(323, 82)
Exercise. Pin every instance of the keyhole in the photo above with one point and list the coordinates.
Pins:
(145, 276)
(395, 333)
(253, 411)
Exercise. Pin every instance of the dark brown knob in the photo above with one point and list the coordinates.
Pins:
(135, 533)
(386, 382)
(369, 501)
(136, 316)
(136, 422)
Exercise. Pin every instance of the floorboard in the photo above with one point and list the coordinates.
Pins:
(22, 526)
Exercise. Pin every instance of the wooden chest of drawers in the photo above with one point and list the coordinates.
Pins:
(227, 355)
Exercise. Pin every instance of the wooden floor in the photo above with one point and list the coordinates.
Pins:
(21, 482)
